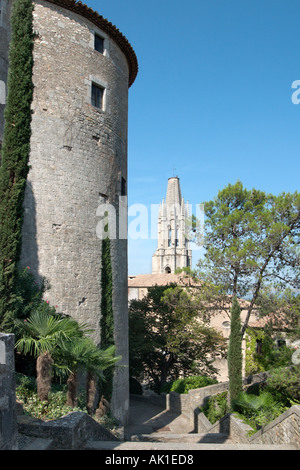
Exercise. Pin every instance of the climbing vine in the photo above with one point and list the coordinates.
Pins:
(15, 151)
(253, 360)
(107, 315)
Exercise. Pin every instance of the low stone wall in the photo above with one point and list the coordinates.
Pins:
(188, 404)
(71, 432)
(233, 427)
(283, 430)
(8, 419)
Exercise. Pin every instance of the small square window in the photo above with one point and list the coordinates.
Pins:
(97, 96)
(99, 44)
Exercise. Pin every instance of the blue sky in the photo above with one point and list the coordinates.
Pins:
(212, 99)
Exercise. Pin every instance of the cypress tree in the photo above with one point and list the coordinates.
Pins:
(107, 315)
(235, 353)
(15, 149)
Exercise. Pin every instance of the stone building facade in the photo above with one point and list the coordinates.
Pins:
(83, 68)
(173, 250)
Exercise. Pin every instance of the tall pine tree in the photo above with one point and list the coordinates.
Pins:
(235, 352)
(15, 150)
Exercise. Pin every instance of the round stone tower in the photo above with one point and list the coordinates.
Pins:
(83, 67)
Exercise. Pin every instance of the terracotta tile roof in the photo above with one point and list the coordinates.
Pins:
(107, 27)
(148, 280)
(277, 320)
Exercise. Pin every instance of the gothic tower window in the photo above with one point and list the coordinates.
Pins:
(176, 236)
(169, 236)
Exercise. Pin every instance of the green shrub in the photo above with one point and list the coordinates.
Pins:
(258, 409)
(54, 409)
(284, 385)
(216, 407)
(271, 356)
(189, 383)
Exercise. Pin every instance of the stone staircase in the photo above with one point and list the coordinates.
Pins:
(150, 428)
(157, 441)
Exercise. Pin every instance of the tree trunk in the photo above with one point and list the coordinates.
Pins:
(43, 380)
(91, 393)
(72, 390)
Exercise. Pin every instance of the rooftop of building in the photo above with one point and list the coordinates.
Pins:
(149, 280)
(161, 279)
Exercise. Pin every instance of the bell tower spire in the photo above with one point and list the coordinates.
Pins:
(173, 250)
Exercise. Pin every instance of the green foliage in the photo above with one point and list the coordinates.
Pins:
(188, 383)
(54, 408)
(25, 297)
(81, 352)
(15, 151)
(167, 338)
(258, 409)
(284, 385)
(107, 317)
(270, 357)
(44, 332)
(215, 407)
(107, 314)
(270, 400)
(253, 363)
(251, 240)
(235, 352)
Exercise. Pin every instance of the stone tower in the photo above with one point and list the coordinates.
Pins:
(83, 68)
(173, 250)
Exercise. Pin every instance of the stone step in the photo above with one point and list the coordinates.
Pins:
(177, 446)
(211, 438)
(34, 443)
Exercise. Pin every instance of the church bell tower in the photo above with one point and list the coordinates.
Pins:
(173, 250)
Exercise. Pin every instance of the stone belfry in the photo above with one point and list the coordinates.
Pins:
(173, 250)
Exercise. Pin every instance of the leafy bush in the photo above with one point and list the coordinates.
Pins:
(189, 383)
(216, 407)
(26, 393)
(56, 407)
(258, 409)
(284, 385)
(271, 356)
(281, 391)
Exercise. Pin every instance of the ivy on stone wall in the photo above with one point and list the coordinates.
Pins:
(107, 314)
(253, 360)
(15, 150)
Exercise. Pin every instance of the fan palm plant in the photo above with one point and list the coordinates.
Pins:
(84, 354)
(41, 335)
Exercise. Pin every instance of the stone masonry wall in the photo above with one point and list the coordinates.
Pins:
(8, 419)
(283, 430)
